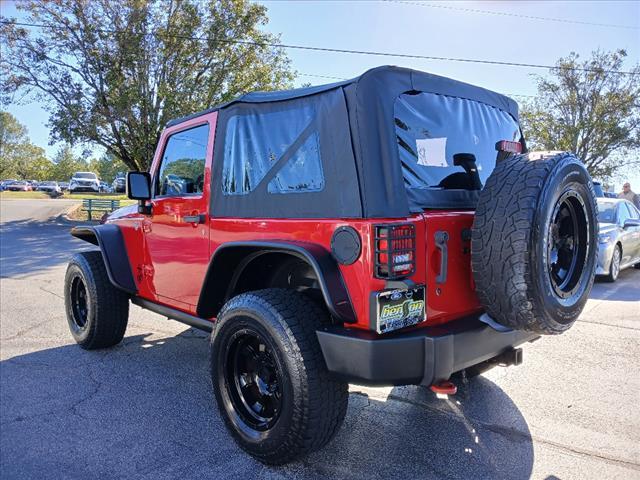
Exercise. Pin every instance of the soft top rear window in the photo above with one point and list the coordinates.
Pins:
(431, 128)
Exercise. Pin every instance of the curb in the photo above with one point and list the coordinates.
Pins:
(64, 217)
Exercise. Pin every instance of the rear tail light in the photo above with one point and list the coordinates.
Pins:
(506, 146)
(395, 251)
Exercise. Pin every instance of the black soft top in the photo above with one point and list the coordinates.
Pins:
(375, 77)
(366, 111)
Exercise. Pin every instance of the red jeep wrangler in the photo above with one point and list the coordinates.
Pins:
(389, 230)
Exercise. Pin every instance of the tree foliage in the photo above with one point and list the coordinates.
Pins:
(113, 72)
(107, 167)
(66, 163)
(19, 158)
(586, 108)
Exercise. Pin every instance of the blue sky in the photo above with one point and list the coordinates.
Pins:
(446, 29)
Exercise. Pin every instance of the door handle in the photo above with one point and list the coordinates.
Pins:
(194, 218)
(441, 239)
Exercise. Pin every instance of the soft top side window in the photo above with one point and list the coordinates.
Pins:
(283, 145)
(182, 165)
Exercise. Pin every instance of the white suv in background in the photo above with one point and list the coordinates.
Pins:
(84, 182)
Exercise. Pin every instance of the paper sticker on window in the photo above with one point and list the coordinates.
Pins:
(432, 152)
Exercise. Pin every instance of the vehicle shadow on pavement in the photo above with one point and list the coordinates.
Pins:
(625, 289)
(478, 433)
(144, 409)
(28, 247)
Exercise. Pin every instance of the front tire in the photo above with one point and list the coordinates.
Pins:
(97, 312)
(269, 377)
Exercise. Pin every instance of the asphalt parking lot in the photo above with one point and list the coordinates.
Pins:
(144, 409)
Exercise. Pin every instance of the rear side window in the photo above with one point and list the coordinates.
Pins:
(182, 165)
(280, 148)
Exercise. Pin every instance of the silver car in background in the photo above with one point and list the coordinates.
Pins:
(619, 242)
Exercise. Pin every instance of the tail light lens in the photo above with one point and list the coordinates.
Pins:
(507, 146)
(395, 251)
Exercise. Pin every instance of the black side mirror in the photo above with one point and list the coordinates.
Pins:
(139, 185)
(631, 222)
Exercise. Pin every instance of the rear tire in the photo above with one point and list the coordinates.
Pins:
(269, 377)
(614, 266)
(97, 312)
(534, 242)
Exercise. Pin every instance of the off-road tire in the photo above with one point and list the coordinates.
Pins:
(515, 223)
(313, 404)
(612, 276)
(107, 307)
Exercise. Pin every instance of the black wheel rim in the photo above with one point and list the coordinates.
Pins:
(79, 303)
(567, 245)
(254, 380)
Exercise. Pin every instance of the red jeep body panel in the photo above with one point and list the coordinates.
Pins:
(169, 257)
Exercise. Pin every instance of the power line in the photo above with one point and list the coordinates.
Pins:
(490, 12)
(349, 51)
(510, 14)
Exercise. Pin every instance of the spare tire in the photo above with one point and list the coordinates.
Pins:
(534, 242)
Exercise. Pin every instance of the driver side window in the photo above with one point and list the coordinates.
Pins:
(182, 166)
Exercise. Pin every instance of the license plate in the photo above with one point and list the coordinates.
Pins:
(399, 308)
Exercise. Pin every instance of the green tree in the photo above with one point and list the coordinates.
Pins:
(113, 72)
(66, 164)
(19, 158)
(587, 108)
(107, 166)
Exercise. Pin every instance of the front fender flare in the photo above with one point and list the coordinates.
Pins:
(230, 255)
(114, 253)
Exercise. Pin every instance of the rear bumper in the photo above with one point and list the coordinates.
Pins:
(420, 357)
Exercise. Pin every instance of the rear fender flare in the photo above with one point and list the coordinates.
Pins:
(114, 253)
(230, 258)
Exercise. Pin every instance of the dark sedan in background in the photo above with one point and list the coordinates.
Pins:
(19, 186)
(619, 242)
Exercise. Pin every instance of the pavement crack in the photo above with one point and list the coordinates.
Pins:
(24, 331)
(52, 293)
(608, 325)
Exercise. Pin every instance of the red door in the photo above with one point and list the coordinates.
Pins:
(177, 231)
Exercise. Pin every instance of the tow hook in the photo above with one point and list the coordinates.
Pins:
(444, 388)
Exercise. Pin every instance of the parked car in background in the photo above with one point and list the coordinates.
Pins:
(619, 242)
(5, 183)
(104, 187)
(597, 187)
(64, 185)
(119, 183)
(84, 182)
(49, 186)
(20, 186)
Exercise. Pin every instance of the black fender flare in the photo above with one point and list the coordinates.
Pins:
(230, 256)
(114, 253)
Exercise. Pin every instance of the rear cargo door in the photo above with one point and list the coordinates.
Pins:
(450, 288)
